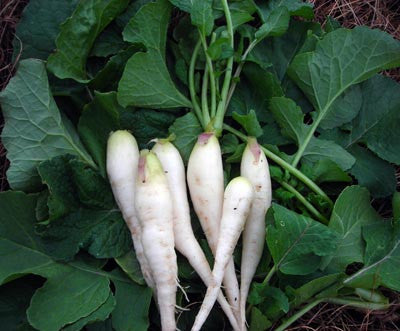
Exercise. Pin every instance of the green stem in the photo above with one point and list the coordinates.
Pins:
(304, 201)
(238, 71)
(298, 174)
(219, 118)
(295, 172)
(337, 301)
(358, 304)
(306, 141)
(370, 295)
(236, 132)
(211, 73)
(192, 89)
(269, 275)
(204, 99)
(296, 316)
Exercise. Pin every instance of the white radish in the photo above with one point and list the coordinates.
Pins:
(238, 198)
(155, 212)
(122, 167)
(205, 178)
(185, 241)
(254, 167)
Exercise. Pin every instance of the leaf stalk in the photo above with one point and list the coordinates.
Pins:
(285, 165)
(192, 89)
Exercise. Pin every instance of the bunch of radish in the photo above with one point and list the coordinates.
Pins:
(150, 189)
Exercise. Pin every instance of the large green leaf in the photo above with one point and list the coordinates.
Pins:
(377, 175)
(148, 26)
(123, 19)
(25, 255)
(73, 184)
(280, 51)
(319, 149)
(57, 175)
(298, 243)
(133, 303)
(147, 124)
(78, 34)
(344, 109)
(382, 258)
(64, 287)
(108, 42)
(270, 300)
(202, 15)
(34, 129)
(130, 265)
(352, 211)
(107, 78)
(341, 59)
(258, 321)
(291, 119)
(100, 314)
(186, 130)
(39, 26)
(254, 92)
(104, 115)
(102, 233)
(146, 81)
(276, 24)
(378, 120)
(185, 5)
(326, 73)
(82, 212)
(249, 122)
(241, 11)
(17, 219)
(14, 301)
(312, 288)
(295, 7)
(99, 118)
(326, 170)
(72, 291)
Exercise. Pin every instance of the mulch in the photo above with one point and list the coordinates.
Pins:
(382, 14)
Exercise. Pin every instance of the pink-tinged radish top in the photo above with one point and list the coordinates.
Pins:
(255, 149)
(204, 137)
(149, 167)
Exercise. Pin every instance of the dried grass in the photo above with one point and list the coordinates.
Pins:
(327, 317)
(381, 14)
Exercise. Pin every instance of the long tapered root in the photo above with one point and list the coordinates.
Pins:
(238, 198)
(254, 167)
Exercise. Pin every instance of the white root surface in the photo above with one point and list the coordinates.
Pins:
(122, 167)
(155, 211)
(237, 202)
(185, 241)
(206, 185)
(254, 167)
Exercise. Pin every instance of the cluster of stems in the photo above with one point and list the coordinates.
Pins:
(210, 111)
(211, 107)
